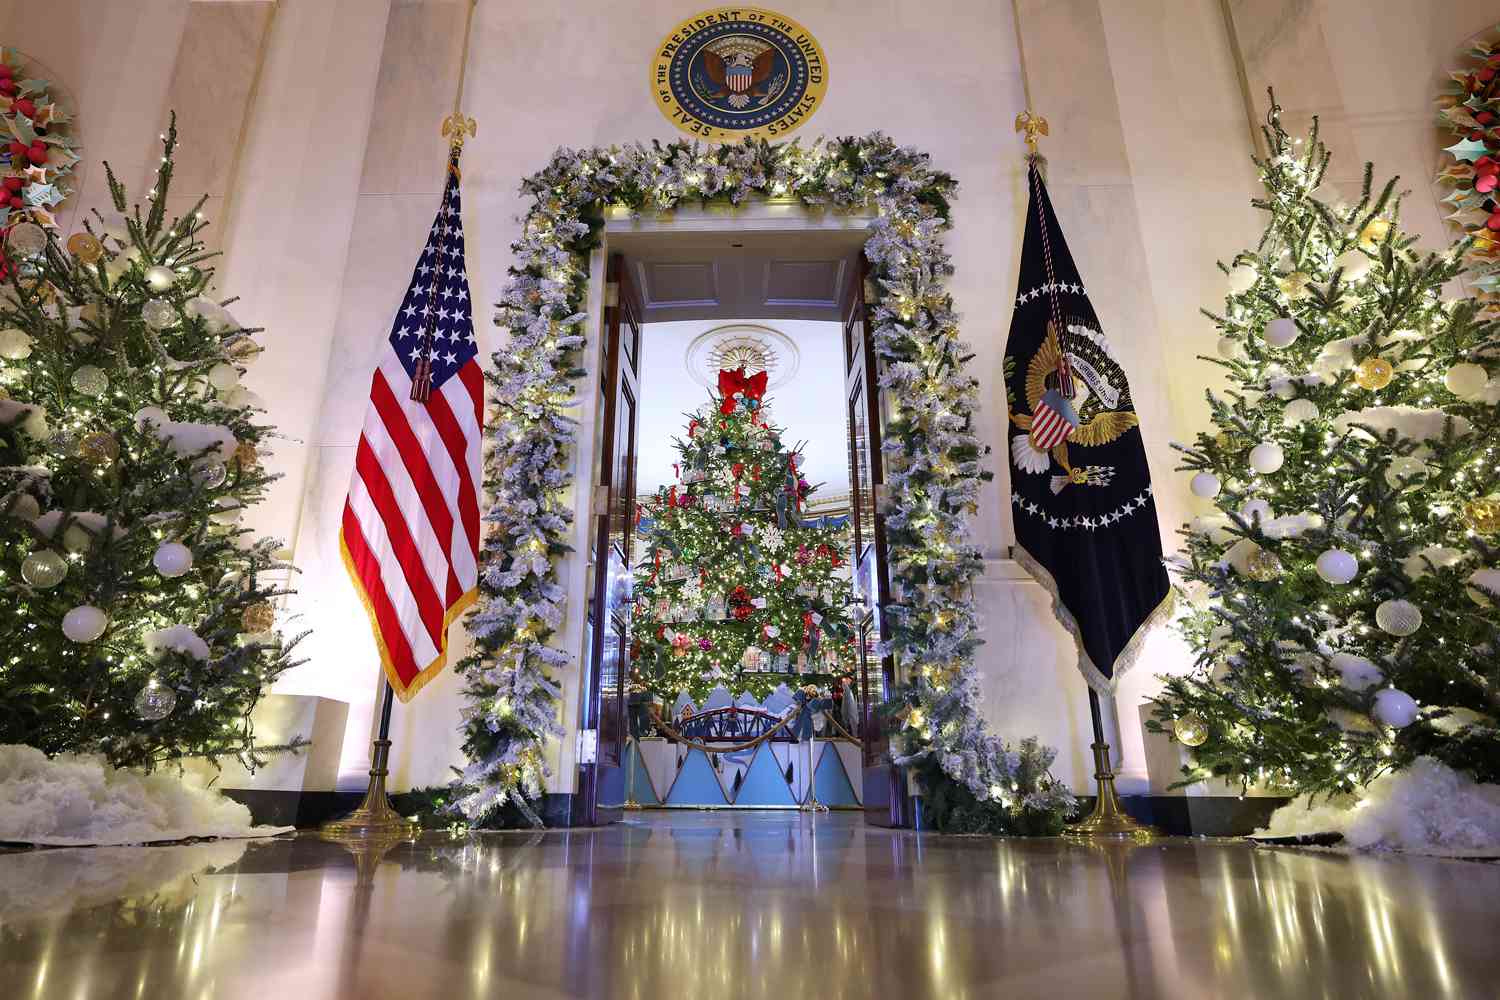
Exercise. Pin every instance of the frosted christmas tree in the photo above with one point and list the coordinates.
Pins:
(736, 584)
(138, 621)
(1345, 591)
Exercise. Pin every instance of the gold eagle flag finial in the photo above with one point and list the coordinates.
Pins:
(1033, 125)
(457, 127)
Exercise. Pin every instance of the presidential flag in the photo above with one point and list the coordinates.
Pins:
(1085, 520)
(410, 532)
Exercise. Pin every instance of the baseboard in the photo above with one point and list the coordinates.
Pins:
(1197, 815)
(272, 807)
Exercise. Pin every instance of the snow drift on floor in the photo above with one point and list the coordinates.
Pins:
(1426, 809)
(77, 800)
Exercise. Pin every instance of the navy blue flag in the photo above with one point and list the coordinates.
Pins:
(1080, 488)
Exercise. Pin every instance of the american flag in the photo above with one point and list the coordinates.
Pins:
(410, 532)
(1053, 421)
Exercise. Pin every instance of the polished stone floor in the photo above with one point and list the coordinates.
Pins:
(710, 906)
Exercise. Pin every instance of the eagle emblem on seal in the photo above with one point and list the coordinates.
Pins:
(1077, 395)
(738, 69)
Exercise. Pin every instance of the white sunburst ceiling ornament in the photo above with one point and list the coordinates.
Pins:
(757, 348)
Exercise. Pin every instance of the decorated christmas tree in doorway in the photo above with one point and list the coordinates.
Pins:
(735, 583)
(1346, 589)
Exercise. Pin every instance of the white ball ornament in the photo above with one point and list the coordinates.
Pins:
(172, 559)
(15, 344)
(1205, 485)
(1298, 412)
(1484, 586)
(1242, 278)
(84, 623)
(1267, 457)
(1466, 380)
(1398, 617)
(223, 376)
(1354, 262)
(1395, 707)
(1355, 672)
(160, 278)
(1337, 566)
(1282, 332)
(1230, 349)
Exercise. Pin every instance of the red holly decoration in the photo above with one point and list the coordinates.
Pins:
(7, 86)
(17, 149)
(25, 107)
(37, 154)
(14, 184)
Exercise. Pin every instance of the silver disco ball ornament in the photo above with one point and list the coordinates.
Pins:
(210, 475)
(1190, 730)
(1398, 617)
(90, 381)
(44, 569)
(27, 240)
(158, 314)
(155, 701)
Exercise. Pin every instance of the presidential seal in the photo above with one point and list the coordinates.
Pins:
(733, 72)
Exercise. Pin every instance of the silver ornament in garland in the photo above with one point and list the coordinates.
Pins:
(155, 701)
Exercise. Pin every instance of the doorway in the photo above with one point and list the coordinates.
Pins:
(683, 302)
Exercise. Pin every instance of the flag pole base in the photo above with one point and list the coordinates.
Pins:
(375, 819)
(1109, 821)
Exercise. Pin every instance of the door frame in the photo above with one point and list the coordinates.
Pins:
(775, 216)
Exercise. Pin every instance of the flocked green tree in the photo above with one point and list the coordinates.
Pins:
(737, 585)
(138, 621)
(1344, 593)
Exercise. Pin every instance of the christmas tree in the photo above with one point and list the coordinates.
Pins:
(735, 583)
(1344, 593)
(138, 619)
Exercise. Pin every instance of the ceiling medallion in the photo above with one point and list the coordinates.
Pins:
(756, 348)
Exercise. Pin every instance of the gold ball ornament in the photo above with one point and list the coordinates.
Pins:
(85, 247)
(246, 455)
(1483, 515)
(1263, 565)
(99, 448)
(1375, 231)
(1294, 284)
(258, 617)
(1190, 730)
(1374, 373)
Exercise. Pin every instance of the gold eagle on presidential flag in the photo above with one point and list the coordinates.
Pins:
(1085, 519)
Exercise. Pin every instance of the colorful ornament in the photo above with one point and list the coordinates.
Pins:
(1374, 232)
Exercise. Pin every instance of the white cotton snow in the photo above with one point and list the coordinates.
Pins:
(33, 419)
(1429, 808)
(1411, 422)
(176, 639)
(1419, 563)
(88, 520)
(186, 438)
(77, 800)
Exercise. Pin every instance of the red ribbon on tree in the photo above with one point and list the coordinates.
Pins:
(733, 383)
(692, 427)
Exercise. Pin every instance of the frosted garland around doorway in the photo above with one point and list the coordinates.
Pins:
(933, 458)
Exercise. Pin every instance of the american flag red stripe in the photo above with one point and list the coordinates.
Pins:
(410, 532)
(1052, 421)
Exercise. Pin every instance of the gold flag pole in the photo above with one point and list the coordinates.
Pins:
(1108, 821)
(375, 819)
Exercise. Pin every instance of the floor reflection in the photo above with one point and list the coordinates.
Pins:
(735, 905)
